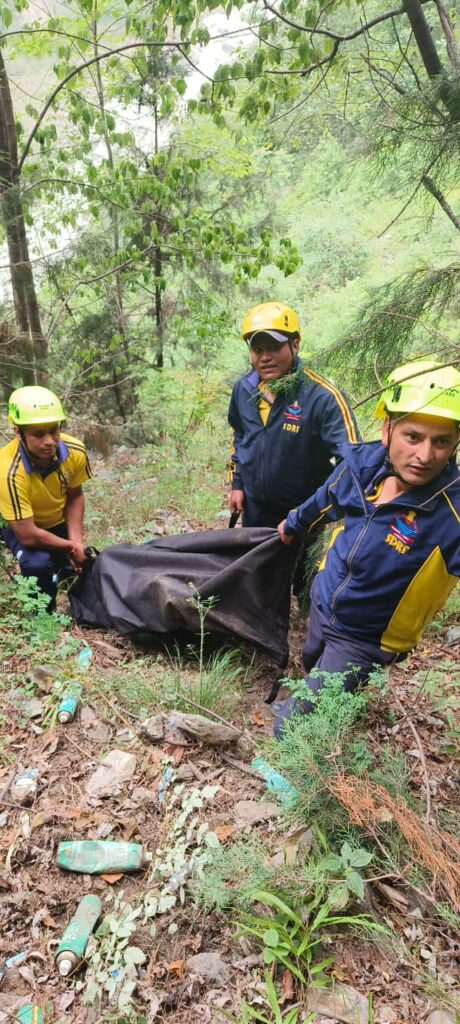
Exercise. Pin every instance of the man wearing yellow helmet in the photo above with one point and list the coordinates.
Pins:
(288, 422)
(41, 475)
(395, 558)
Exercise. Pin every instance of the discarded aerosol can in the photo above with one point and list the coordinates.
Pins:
(97, 856)
(24, 786)
(71, 949)
(29, 1014)
(69, 703)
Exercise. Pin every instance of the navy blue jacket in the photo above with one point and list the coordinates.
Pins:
(281, 463)
(389, 567)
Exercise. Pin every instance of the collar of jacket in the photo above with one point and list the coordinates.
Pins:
(251, 380)
(367, 461)
(62, 453)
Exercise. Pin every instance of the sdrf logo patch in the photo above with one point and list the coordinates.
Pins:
(403, 531)
(292, 416)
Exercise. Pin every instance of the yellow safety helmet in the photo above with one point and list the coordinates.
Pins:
(273, 318)
(431, 389)
(32, 405)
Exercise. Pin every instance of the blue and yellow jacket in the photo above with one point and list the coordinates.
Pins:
(284, 459)
(389, 567)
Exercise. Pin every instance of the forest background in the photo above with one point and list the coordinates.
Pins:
(149, 197)
(164, 165)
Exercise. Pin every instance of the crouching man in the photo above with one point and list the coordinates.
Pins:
(395, 557)
(41, 499)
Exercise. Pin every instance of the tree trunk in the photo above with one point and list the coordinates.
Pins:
(31, 351)
(114, 217)
(430, 56)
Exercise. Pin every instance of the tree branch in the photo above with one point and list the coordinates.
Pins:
(363, 28)
(76, 71)
(71, 181)
(441, 199)
(448, 29)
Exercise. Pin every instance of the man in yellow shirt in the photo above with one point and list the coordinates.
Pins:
(41, 499)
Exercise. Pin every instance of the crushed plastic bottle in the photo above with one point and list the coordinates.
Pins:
(29, 1014)
(12, 961)
(71, 949)
(70, 701)
(84, 658)
(163, 784)
(24, 786)
(96, 856)
(276, 782)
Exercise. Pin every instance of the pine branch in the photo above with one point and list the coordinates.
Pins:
(441, 199)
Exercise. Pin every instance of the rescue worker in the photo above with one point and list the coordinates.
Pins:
(41, 499)
(288, 424)
(394, 559)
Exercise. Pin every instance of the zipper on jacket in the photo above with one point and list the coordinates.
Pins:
(356, 544)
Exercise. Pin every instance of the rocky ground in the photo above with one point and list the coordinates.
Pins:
(189, 966)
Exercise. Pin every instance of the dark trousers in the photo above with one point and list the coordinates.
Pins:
(327, 650)
(44, 565)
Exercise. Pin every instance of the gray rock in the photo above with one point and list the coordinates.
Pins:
(152, 729)
(33, 707)
(385, 1015)
(116, 770)
(125, 735)
(92, 725)
(249, 812)
(185, 772)
(106, 474)
(210, 967)
(143, 795)
(440, 1017)
(342, 1003)
(453, 635)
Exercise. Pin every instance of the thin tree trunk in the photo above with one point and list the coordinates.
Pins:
(119, 303)
(32, 352)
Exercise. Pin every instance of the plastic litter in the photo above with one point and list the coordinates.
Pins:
(84, 658)
(99, 856)
(71, 949)
(29, 1014)
(164, 783)
(276, 782)
(69, 703)
(24, 786)
(12, 961)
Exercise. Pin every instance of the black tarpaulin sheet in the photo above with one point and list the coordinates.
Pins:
(145, 588)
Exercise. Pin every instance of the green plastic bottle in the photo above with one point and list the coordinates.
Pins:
(71, 949)
(96, 856)
(29, 1014)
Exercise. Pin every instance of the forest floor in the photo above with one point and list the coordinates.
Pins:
(409, 975)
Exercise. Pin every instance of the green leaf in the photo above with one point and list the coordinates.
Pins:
(346, 853)
(272, 998)
(355, 884)
(333, 863)
(271, 937)
(134, 955)
(360, 858)
(270, 900)
(322, 966)
(338, 896)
